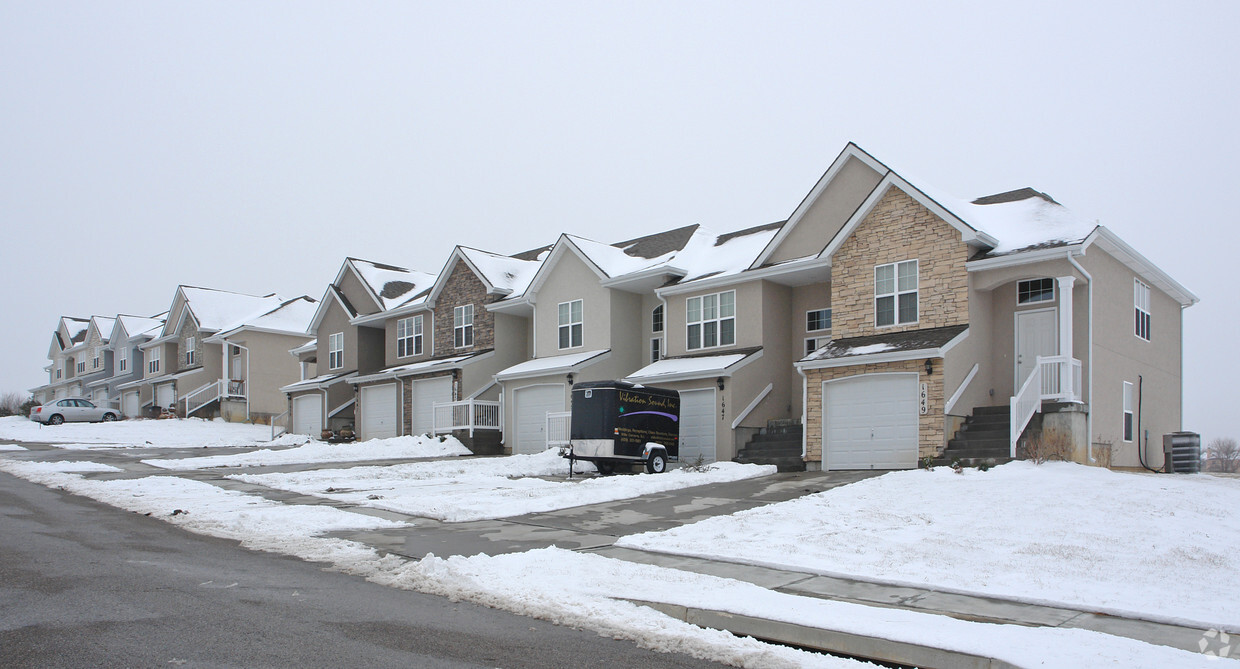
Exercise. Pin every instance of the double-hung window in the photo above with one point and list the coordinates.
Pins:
(1127, 428)
(816, 320)
(191, 350)
(122, 363)
(409, 336)
(94, 363)
(656, 319)
(60, 372)
(463, 326)
(570, 323)
(335, 351)
(1141, 305)
(81, 367)
(895, 293)
(152, 361)
(711, 320)
(656, 349)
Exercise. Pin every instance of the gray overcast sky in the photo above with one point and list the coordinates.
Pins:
(251, 146)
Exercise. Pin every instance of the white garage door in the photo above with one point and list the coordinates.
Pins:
(425, 394)
(533, 403)
(697, 425)
(165, 395)
(870, 422)
(129, 404)
(378, 419)
(308, 415)
(100, 397)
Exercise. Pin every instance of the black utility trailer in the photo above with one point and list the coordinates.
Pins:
(617, 423)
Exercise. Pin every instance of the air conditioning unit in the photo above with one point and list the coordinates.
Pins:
(1182, 452)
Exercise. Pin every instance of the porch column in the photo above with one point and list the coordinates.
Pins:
(1065, 336)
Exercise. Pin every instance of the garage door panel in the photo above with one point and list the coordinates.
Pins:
(697, 425)
(308, 415)
(533, 403)
(871, 422)
(426, 393)
(378, 415)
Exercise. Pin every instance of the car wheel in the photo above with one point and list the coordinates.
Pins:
(605, 467)
(109, 417)
(657, 464)
(56, 420)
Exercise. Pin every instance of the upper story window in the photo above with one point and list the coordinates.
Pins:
(814, 343)
(570, 323)
(656, 319)
(1141, 305)
(335, 351)
(81, 367)
(818, 320)
(122, 362)
(895, 293)
(656, 349)
(463, 326)
(191, 350)
(60, 372)
(94, 362)
(152, 361)
(711, 320)
(409, 336)
(1035, 290)
(1127, 426)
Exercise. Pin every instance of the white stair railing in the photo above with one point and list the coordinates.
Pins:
(558, 423)
(465, 415)
(201, 397)
(1026, 402)
(279, 425)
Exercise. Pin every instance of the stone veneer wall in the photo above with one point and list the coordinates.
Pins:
(932, 425)
(899, 228)
(188, 329)
(461, 288)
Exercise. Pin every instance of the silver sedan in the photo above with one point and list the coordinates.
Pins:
(71, 410)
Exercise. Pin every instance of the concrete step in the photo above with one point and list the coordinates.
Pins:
(783, 463)
(990, 411)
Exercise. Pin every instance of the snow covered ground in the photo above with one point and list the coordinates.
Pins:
(1162, 548)
(176, 433)
(11, 447)
(488, 488)
(317, 451)
(592, 591)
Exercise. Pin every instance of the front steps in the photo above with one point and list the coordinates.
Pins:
(779, 444)
(983, 439)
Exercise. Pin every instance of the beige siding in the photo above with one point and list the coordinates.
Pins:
(829, 211)
(269, 368)
(336, 320)
(749, 327)
(570, 279)
(357, 294)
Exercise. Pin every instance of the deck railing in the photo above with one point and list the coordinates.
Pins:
(201, 397)
(279, 425)
(466, 415)
(1055, 378)
(558, 428)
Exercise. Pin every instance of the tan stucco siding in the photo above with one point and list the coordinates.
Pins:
(899, 229)
(356, 293)
(390, 357)
(805, 299)
(336, 320)
(931, 425)
(748, 319)
(570, 280)
(828, 212)
(266, 367)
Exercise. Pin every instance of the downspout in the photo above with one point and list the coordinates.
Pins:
(1089, 417)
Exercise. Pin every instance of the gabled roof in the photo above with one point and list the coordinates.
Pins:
(103, 325)
(72, 330)
(132, 327)
(290, 317)
(390, 286)
(214, 309)
(501, 275)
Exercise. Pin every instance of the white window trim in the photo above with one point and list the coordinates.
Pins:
(152, 361)
(581, 327)
(191, 350)
(818, 342)
(718, 320)
(413, 334)
(467, 329)
(810, 311)
(895, 296)
(1141, 290)
(94, 363)
(661, 321)
(1054, 291)
(656, 341)
(122, 361)
(335, 355)
(1126, 401)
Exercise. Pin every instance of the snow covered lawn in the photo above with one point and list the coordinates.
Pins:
(1157, 547)
(11, 447)
(317, 451)
(488, 488)
(175, 433)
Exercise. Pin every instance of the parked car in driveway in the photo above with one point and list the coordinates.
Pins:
(71, 410)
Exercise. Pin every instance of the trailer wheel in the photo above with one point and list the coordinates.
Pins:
(605, 467)
(657, 464)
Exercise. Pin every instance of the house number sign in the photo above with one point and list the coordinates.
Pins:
(924, 399)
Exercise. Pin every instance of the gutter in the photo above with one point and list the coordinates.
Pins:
(1089, 417)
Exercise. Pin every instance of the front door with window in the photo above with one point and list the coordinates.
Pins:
(1037, 333)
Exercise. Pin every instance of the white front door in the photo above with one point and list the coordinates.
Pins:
(533, 404)
(870, 422)
(426, 393)
(308, 415)
(378, 417)
(697, 425)
(1037, 333)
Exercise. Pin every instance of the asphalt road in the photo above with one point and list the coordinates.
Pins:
(87, 585)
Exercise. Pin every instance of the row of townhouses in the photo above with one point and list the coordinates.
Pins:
(882, 323)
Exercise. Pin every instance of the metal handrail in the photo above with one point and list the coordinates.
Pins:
(214, 385)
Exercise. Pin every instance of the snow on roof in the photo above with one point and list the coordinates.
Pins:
(710, 255)
(503, 272)
(292, 316)
(141, 325)
(308, 347)
(394, 285)
(615, 261)
(707, 365)
(220, 309)
(420, 367)
(75, 328)
(321, 381)
(1024, 219)
(104, 325)
(550, 364)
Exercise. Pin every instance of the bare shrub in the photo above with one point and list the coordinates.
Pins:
(1223, 455)
(1049, 445)
(1103, 449)
(11, 403)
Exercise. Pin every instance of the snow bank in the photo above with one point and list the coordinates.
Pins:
(489, 488)
(316, 452)
(66, 466)
(11, 447)
(1160, 548)
(177, 433)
